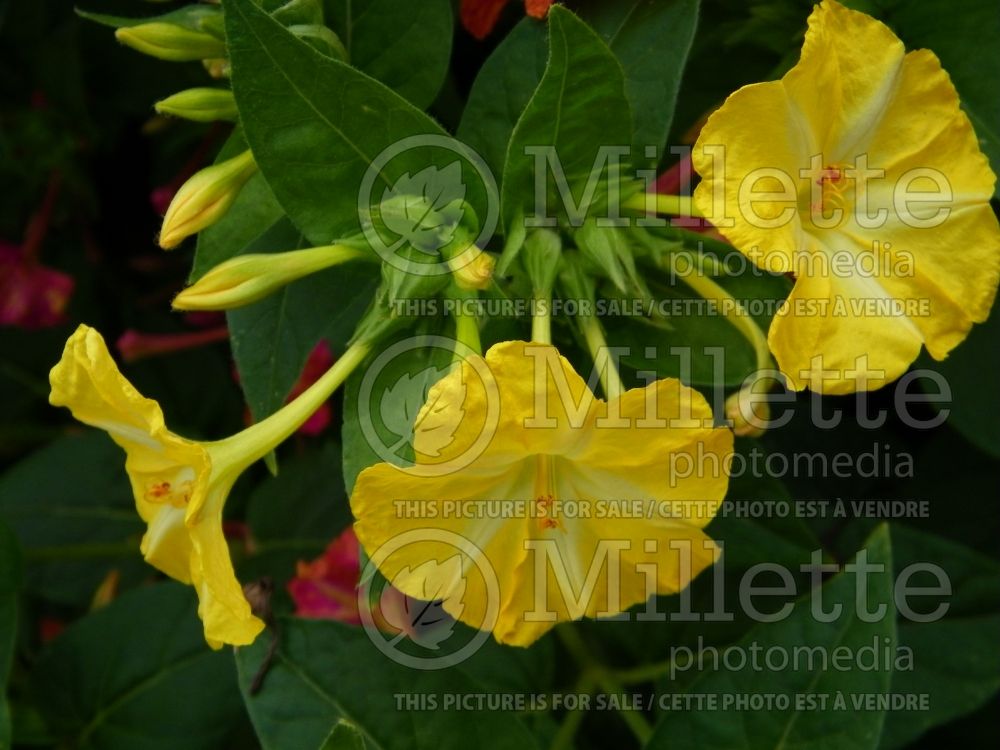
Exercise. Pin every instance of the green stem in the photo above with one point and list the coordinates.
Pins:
(632, 717)
(611, 380)
(645, 673)
(541, 322)
(567, 730)
(730, 307)
(675, 205)
(606, 679)
(261, 438)
(466, 326)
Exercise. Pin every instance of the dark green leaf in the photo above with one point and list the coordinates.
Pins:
(578, 107)
(501, 91)
(325, 671)
(958, 677)
(71, 506)
(415, 61)
(973, 408)
(345, 736)
(316, 124)
(294, 515)
(652, 41)
(797, 728)
(138, 675)
(194, 17)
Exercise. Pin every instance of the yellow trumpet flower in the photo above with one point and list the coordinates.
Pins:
(557, 461)
(180, 485)
(859, 173)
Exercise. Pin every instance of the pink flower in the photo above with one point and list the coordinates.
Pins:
(326, 588)
(31, 295)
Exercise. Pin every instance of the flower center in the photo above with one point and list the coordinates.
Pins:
(833, 183)
(175, 491)
(545, 493)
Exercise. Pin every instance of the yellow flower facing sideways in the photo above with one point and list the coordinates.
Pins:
(556, 456)
(180, 486)
(858, 173)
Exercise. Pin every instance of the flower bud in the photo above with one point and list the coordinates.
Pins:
(748, 410)
(205, 198)
(472, 269)
(169, 41)
(200, 105)
(248, 278)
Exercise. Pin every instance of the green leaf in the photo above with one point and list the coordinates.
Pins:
(414, 62)
(345, 736)
(194, 17)
(272, 338)
(686, 338)
(501, 91)
(754, 536)
(325, 671)
(771, 727)
(76, 522)
(316, 124)
(10, 579)
(652, 41)
(137, 674)
(963, 675)
(578, 107)
(973, 408)
(294, 515)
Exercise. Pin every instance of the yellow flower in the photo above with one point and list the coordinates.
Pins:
(180, 486)
(554, 452)
(859, 173)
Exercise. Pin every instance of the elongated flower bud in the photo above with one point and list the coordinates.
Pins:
(248, 278)
(200, 105)
(169, 41)
(205, 198)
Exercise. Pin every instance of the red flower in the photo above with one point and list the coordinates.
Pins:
(480, 16)
(31, 295)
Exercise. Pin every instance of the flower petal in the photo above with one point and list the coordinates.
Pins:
(490, 401)
(757, 128)
(827, 332)
(669, 453)
(848, 72)
(222, 607)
